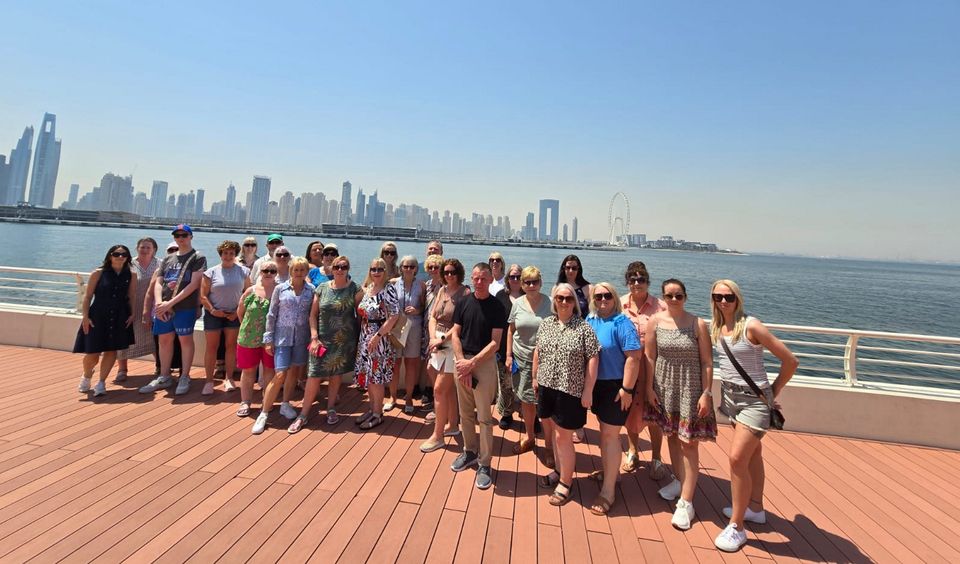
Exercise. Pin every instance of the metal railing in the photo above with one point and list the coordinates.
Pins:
(849, 357)
(41, 287)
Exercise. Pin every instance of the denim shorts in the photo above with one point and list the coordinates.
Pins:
(182, 322)
(286, 356)
(741, 405)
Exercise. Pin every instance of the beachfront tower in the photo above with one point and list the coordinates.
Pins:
(259, 200)
(46, 164)
(551, 208)
(346, 194)
(19, 169)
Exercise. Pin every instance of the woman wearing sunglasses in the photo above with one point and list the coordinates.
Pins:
(571, 272)
(282, 256)
(507, 401)
(745, 338)
(143, 265)
(220, 292)
(334, 331)
(564, 374)
(639, 305)
(524, 319)
(107, 321)
(249, 255)
(433, 265)
(252, 312)
(679, 397)
(379, 310)
(411, 294)
(388, 253)
(617, 373)
(445, 404)
(323, 271)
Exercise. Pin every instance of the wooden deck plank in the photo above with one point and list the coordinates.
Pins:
(496, 545)
(431, 516)
(443, 544)
(550, 545)
(390, 539)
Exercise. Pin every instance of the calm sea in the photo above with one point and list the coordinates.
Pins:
(870, 295)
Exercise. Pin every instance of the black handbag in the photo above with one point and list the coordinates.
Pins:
(776, 417)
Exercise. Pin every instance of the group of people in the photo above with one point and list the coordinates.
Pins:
(290, 321)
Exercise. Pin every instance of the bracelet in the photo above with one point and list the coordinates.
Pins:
(708, 393)
(629, 391)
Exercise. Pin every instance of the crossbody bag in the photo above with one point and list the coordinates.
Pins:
(776, 417)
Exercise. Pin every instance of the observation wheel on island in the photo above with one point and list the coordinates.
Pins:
(618, 219)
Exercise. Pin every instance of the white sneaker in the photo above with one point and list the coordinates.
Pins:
(183, 386)
(758, 517)
(260, 424)
(684, 515)
(84, 386)
(670, 491)
(288, 411)
(100, 389)
(731, 539)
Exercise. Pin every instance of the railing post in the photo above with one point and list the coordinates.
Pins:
(850, 360)
(81, 290)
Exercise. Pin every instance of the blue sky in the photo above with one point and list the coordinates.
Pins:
(820, 128)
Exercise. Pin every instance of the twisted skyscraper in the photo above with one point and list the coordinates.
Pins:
(46, 164)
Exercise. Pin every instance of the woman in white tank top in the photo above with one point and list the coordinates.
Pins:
(746, 337)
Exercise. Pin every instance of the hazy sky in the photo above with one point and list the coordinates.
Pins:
(820, 128)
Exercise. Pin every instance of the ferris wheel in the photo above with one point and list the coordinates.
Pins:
(618, 218)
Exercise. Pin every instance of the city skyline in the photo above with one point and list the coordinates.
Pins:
(816, 129)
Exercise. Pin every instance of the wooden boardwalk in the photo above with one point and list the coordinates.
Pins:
(140, 478)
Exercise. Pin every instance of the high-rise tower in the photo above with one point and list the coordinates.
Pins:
(552, 208)
(259, 200)
(19, 169)
(46, 164)
(345, 197)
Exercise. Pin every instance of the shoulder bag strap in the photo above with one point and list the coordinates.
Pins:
(743, 373)
(183, 271)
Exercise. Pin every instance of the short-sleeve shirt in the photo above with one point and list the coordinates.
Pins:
(317, 277)
(640, 314)
(170, 271)
(477, 319)
(617, 335)
(526, 322)
(564, 349)
(226, 286)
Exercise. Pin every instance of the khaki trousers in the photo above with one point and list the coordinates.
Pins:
(475, 408)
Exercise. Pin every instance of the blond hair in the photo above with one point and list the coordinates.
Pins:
(608, 287)
(299, 262)
(716, 326)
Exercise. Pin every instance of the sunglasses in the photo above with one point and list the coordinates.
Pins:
(514, 277)
(268, 271)
(638, 280)
(571, 268)
(531, 282)
(331, 253)
(389, 253)
(249, 244)
(376, 270)
(433, 268)
(677, 297)
(408, 267)
(496, 260)
(118, 254)
(449, 272)
(275, 242)
(729, 298)
(341, 267)
(564, 299)
(180, 235)
(599, 297)
(282, 255)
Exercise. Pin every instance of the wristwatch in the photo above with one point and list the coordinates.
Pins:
(629, 391)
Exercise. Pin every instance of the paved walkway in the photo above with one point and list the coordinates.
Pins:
(144, 478)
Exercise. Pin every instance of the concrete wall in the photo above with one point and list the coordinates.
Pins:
(919, 417)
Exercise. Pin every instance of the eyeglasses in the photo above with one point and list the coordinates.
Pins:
(514, 277)
(282, 255)
(376, 270)
(433, 268)
(564, 299)
(389, 253)
(250, 245)
(118, 254)
(531, 282)
(181, 235)
(638, 280)
(574, 268)
(729, 298)
(676, 297)
(409, 267)
(331, 253)
(341, 267)
(449, 272)
(599, 297)
(271, 271)
(496, 260)
(275, 242)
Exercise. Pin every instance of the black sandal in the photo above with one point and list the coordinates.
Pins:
(361, 419)
(558, 498)
(371, 422)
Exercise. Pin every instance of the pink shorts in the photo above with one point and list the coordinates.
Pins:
(251, 358)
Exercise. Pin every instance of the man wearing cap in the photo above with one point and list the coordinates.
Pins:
(274, 241)
(177, 297)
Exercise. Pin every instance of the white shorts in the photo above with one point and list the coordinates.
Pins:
(442, 359)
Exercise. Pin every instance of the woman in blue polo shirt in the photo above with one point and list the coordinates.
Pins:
(617, 373)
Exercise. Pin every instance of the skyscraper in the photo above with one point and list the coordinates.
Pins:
(574, 223)
(198, 209)
(158, 199)
(360, 216)
(529, 232)
(74, 195)
(4, 178)
(259, 200)
(551, 208)
(345, 197)
(288, 210)
(229, 212)
(46, 164)
(116, 193)
(19, 168)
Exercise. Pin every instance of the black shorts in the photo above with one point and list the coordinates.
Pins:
(606, 406)
(565, 410)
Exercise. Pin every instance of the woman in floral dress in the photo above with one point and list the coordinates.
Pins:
(379, 310)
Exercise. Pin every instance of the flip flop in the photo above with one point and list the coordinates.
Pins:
(630, 463)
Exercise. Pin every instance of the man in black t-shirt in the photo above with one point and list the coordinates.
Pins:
(478, 323)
